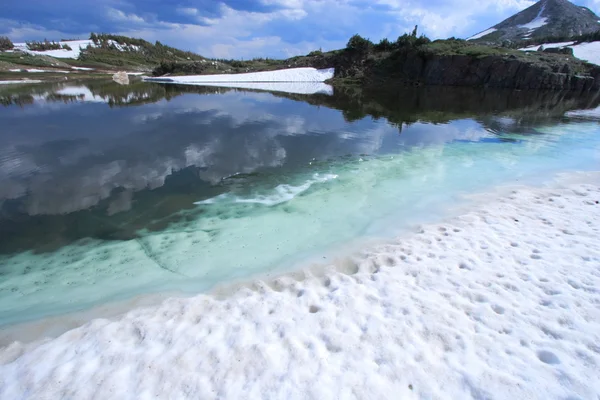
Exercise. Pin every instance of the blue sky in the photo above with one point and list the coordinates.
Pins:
(254, 28)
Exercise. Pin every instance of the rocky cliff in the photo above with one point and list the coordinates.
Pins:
(448, 63)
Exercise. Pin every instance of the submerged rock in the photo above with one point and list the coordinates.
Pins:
(121, 78)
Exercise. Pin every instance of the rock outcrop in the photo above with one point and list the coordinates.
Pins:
(496, 68)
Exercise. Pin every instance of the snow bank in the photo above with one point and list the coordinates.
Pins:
(482, 34)
(589, 52)
(501, 302)
(282, 75)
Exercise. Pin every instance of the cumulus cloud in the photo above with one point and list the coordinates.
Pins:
(258, 28)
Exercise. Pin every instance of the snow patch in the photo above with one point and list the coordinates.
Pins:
(537, 22)
(282, 75)
(76, 47)
(589, 51)
(482, 34)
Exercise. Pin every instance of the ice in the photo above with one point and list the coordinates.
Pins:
(482, 34)
(282, 75)
(500, 302)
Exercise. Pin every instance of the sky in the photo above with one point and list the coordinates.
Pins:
(245, 29)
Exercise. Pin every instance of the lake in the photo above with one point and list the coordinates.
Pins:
(109, 192)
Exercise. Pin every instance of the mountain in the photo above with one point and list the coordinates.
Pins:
(546, 18)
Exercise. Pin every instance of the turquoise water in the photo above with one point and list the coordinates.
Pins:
(103, 203)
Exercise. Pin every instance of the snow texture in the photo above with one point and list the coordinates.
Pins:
(282, 75)
(482, 34)
(502, 302)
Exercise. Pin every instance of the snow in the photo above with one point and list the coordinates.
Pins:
(537, 22)
(82, 68)
(76, 47)
(589, 52)
(282, 75)
(23, 81)
(482, 34)
(501, 302)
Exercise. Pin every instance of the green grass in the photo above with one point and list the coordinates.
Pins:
(28, 59)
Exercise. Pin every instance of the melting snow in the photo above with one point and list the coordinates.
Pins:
(500, 303)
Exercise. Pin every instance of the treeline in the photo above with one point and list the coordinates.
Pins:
(46, 45)
(152, 51)
(362, 45)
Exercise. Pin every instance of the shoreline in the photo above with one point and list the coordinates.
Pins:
(485, 301)
(338, 259)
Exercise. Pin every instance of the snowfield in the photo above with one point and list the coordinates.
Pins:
(589, 52)
(281, 75)
(499, 303)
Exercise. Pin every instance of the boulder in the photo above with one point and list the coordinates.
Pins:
(121, 78)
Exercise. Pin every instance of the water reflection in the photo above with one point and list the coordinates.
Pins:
(72, 167)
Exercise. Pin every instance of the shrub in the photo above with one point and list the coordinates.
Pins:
(384, 45)
(359, 44)
(43, 46)
(66, 47)
(315, 53)
(5, 43)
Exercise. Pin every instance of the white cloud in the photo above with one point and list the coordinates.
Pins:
(119, 16)
(188, 11)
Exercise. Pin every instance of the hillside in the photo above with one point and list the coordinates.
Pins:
(546, 18)
(100, 51)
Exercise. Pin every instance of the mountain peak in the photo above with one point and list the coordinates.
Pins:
(543, 19)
